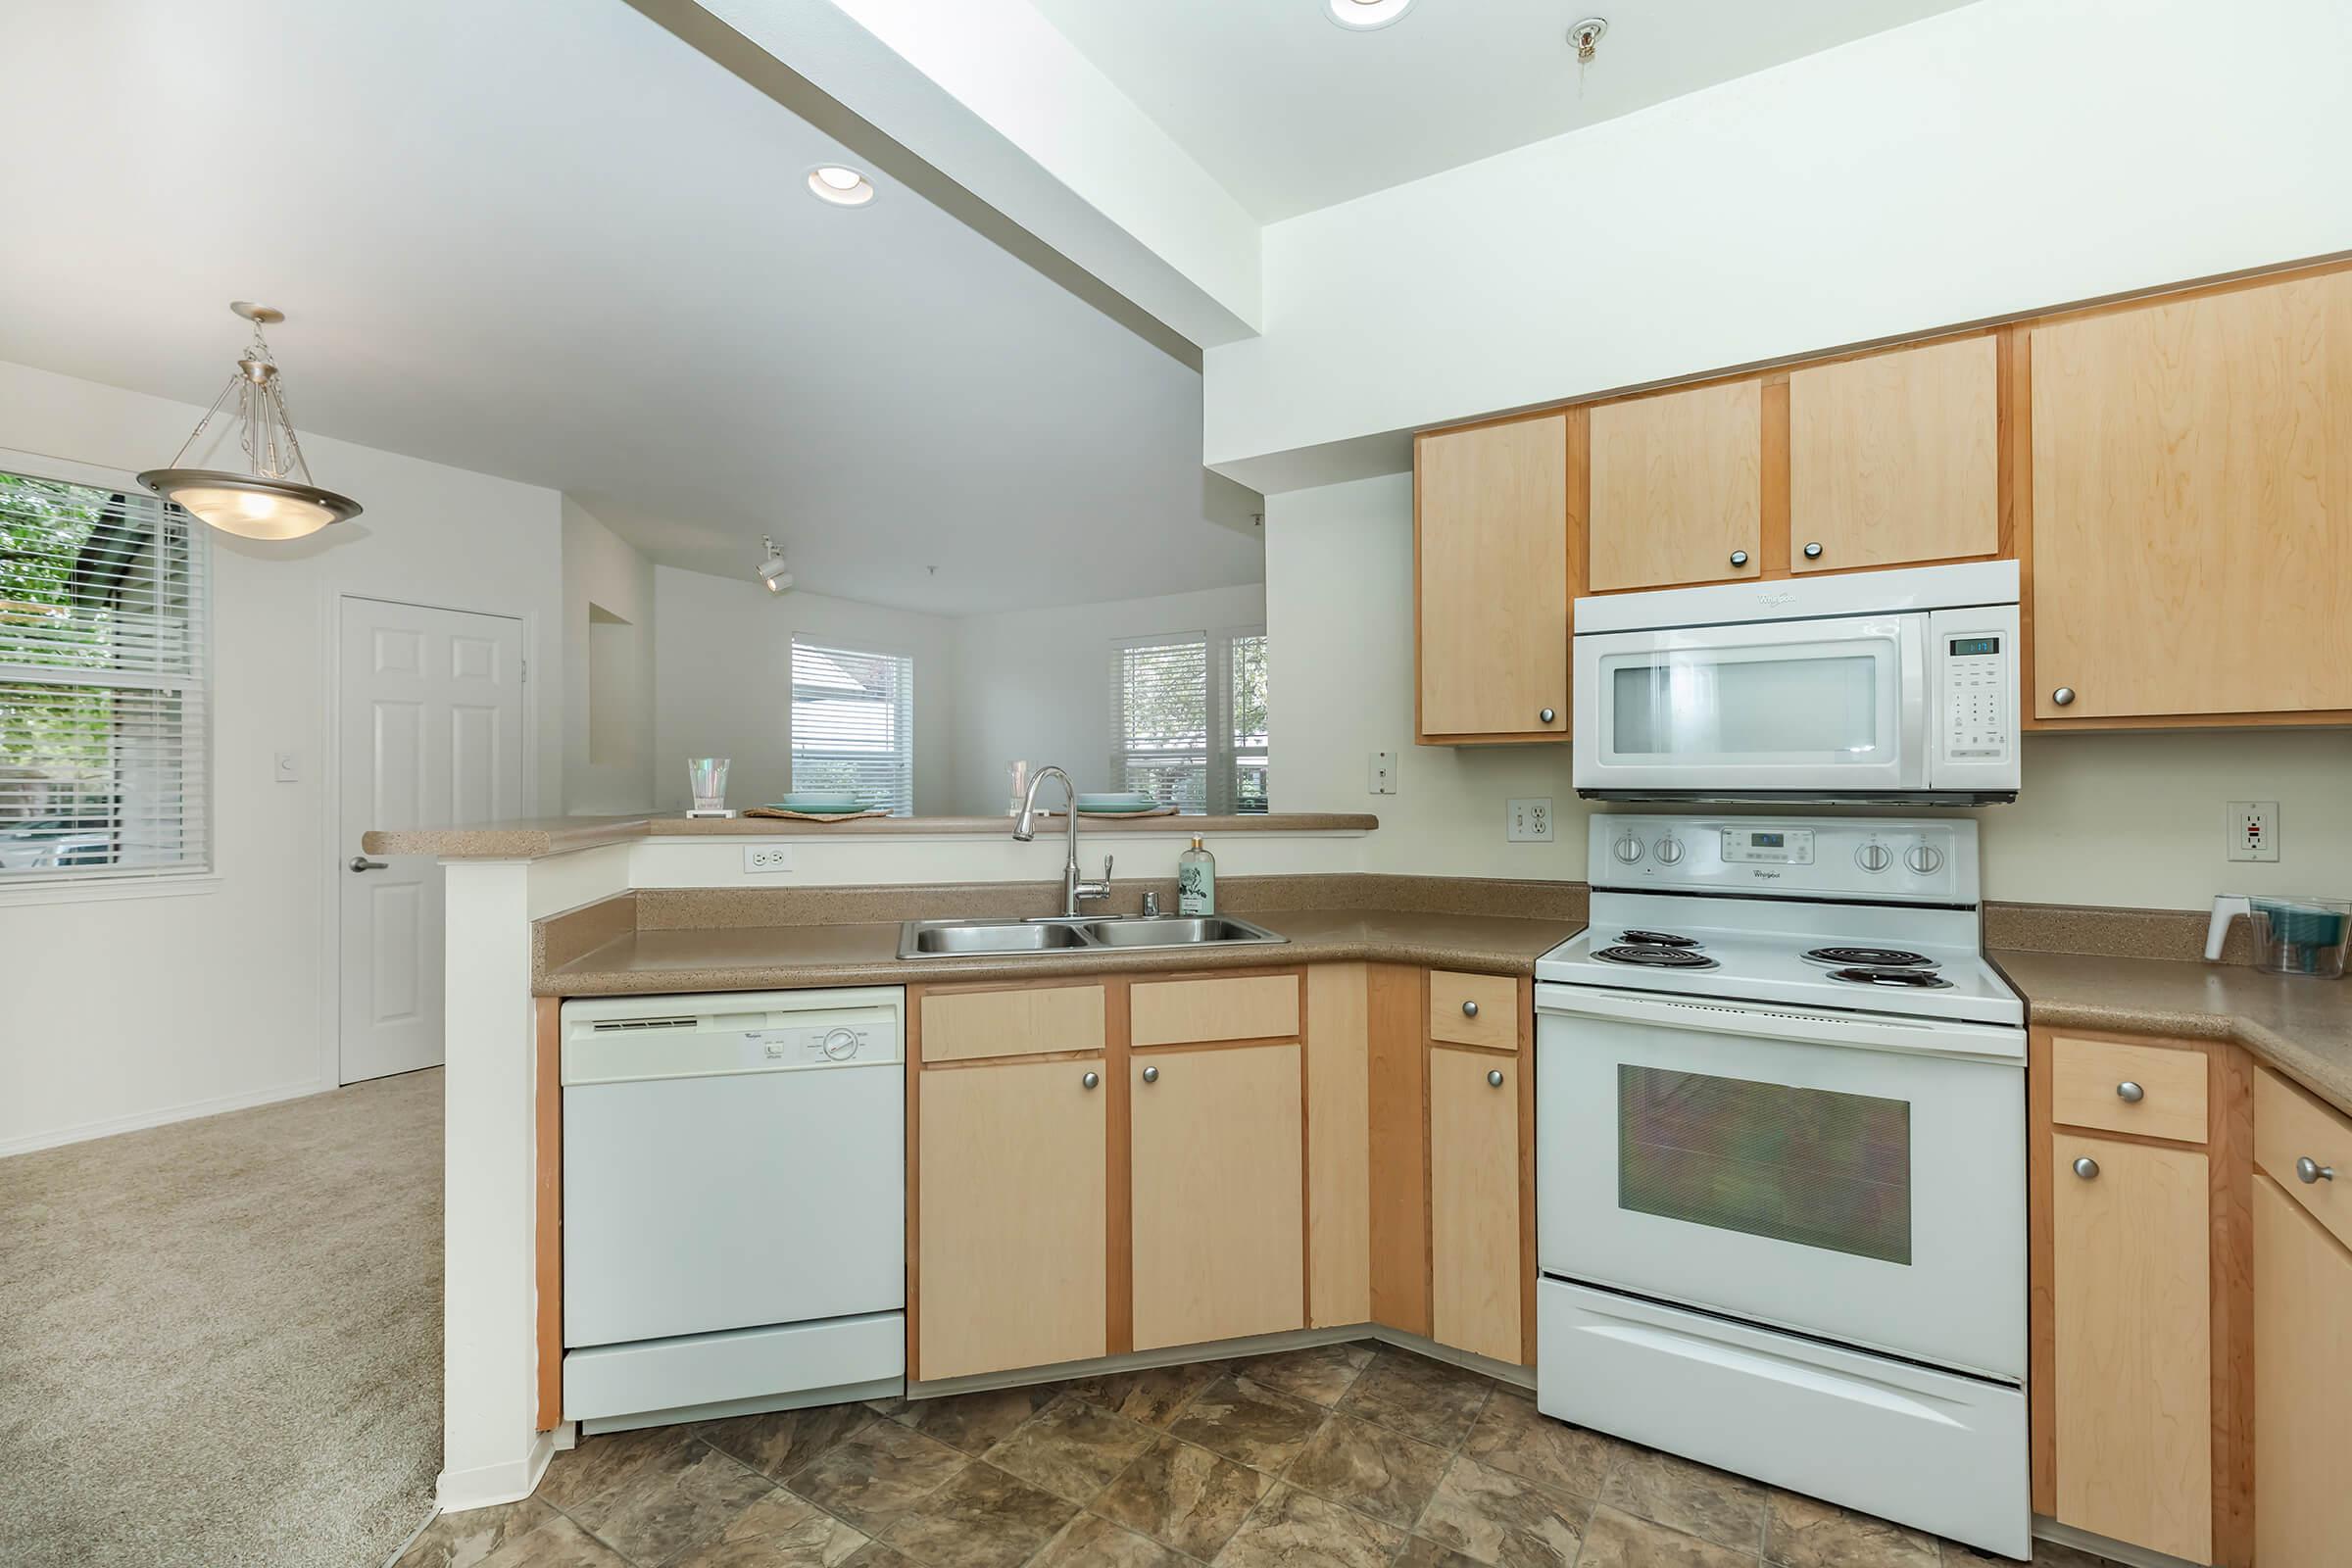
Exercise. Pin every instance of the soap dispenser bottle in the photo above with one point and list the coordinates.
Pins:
(1195, 880)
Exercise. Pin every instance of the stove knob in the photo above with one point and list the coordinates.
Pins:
(1874, 858)
(1925, 859)
(1627, 849)
(1668, 850)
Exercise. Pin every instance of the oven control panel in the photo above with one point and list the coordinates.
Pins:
(1887, 860)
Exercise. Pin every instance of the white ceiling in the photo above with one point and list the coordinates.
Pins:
(545, 239)
(1290, 113)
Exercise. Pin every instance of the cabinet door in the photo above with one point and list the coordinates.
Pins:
(1474, 1201)
(2192, 506)
(2302, 1366)
(1895, 459)
(1011, 1241)
(1220, 1241)
(1678, 488)
(1490, 580)
(2133, 1320)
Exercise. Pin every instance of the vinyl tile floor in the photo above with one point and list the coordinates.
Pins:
(1352, 1455)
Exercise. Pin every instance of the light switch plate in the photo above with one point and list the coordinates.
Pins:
(1384, 772)
(1528, 819)
(2252, 827)
(765, 858)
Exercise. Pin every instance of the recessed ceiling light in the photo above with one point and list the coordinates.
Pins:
(1362, 16)
(843, 187)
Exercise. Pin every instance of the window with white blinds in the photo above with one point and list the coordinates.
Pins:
(853, 725)
(105, 712)
(1188, 717)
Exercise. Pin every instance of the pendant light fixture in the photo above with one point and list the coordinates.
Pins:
(274, 499)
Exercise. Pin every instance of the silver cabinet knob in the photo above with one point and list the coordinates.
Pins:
(1546, 716)
(2064, 697)
(360, 862)
(1738, 557)
(2087, 1167)
(1469, 1010)
(1091, 1080)
(2129, 1093)
(1151, 1075)
(2309, 1170)
(1495, 1078)
(1812, 552)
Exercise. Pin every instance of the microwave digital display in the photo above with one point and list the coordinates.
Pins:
(1974, 647)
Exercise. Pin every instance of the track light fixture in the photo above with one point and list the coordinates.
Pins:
(774, 575)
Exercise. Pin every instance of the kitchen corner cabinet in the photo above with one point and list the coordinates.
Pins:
(1474, 1200)
(2192, 509)
(1895, 459)
(2302, 1325)
(1491, 585)
(1677, 488)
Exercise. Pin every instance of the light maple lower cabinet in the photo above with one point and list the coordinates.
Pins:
(1474, 1200)
(1220, 1223)
(2302, 1375)
(1011, 1197)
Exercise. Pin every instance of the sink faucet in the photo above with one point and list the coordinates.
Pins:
(1025, 828)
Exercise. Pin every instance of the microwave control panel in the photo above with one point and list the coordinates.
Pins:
(1972, 653)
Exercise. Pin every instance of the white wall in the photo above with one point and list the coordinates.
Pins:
(125, 1013)
(2003, 156)
(2131, 821)
(1036, 684)
(722, 674)
(603, 570)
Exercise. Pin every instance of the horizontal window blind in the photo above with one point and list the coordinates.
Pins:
(104, 684)
(1188, 717)
(853, 725)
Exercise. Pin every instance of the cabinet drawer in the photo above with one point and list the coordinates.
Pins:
(1183, 1013)
(1474, 1010)
(2086, 1079)
(958, 1025)
(2289, 1125)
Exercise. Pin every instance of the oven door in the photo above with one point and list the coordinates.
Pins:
(1859, 1180)
(1836, 707)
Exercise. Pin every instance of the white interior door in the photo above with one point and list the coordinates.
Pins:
(431, 714)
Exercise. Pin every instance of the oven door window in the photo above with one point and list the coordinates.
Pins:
(1813, 1166)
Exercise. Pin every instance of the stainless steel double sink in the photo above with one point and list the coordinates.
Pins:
(959, 939)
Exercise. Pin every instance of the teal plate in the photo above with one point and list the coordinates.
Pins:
(821, 805)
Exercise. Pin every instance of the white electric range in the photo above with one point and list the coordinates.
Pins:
(1780, 1165)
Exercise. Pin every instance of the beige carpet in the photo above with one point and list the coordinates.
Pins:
(221, 1340)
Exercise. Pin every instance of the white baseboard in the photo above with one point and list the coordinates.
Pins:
(487, 1486)
(140, 1120)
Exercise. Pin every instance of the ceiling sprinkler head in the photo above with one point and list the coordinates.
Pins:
(1586, 35)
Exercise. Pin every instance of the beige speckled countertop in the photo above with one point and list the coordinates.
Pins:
(529, 838)
(2301, 1027)
(784, 957)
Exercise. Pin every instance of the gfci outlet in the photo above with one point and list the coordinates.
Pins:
(2253, 829)
(1528, 821)
(767, 857)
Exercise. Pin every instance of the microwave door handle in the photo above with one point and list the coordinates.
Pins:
(1917, 729)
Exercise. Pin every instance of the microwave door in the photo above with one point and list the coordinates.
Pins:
(1822, 707)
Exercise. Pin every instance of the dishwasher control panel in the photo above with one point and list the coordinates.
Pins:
(640, 1039)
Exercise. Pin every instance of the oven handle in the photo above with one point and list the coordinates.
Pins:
(1965, 1040)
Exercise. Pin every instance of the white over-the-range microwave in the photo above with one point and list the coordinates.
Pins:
(1897, 686)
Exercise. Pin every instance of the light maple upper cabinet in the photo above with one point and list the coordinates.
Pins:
(2191, 521)
(1894, 460)
(1491, 564)
(1011, 1211)
(1677, 488)
(1474, 1200)
(1220, 1237)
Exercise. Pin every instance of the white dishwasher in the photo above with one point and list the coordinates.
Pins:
(734, 1204)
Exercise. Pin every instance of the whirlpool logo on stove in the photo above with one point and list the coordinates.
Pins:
(1762, 875)
(1773, 601)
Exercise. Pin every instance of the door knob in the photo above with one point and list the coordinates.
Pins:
(2064, 697)
(1151, 1075)
(1738, 557)
(2309, 1170)
(1469, 1010)
(1812, 552)
(2087, 1167)
(1546, 715)
(1495, 1078)
(360, 862)
(2129, 1093)
(1091, 1080)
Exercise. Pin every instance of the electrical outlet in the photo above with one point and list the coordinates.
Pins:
(1384, 772)
(767, 857)
(2252, 827)
(1528, 821)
